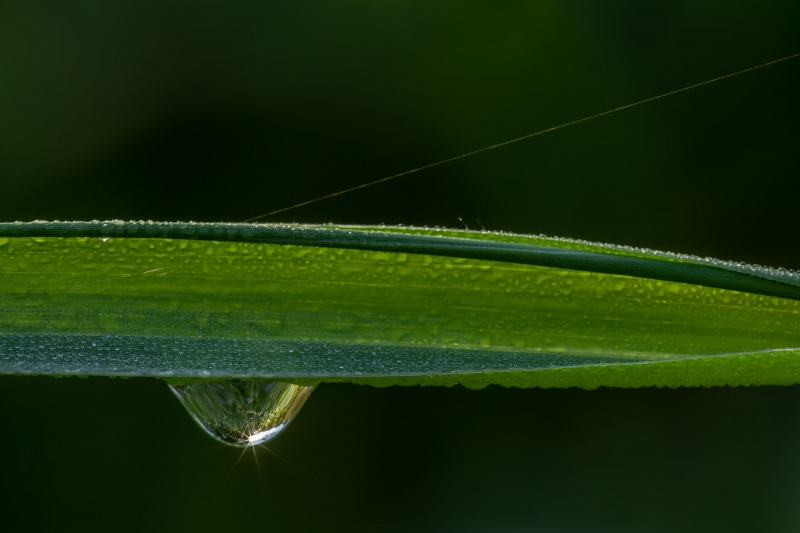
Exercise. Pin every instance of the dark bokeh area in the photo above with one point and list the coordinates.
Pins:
(221, 111)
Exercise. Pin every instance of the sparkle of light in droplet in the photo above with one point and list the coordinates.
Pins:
(241, 412)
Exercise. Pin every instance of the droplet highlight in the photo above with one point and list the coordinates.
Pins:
(241, 412)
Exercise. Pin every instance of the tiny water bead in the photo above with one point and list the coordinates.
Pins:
(242, 412)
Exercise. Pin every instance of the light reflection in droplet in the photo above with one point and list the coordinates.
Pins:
(241, 412)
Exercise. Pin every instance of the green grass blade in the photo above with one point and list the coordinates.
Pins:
(384, 306)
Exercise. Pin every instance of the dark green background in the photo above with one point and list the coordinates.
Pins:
(204, 110)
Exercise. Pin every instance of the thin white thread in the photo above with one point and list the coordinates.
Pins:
(522, 138)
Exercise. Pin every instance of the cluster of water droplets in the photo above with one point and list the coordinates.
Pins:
(780, 274)
(241, 412)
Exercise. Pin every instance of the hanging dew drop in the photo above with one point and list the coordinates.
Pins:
(241, 412)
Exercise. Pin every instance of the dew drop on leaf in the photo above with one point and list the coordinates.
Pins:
(241, 412)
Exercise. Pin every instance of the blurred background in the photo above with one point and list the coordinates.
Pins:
(222, 111)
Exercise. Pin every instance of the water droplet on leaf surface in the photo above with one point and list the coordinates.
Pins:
(241, 412)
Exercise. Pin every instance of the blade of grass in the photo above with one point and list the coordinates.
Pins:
(383, 306)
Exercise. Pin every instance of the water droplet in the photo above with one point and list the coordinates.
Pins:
(241, 412)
